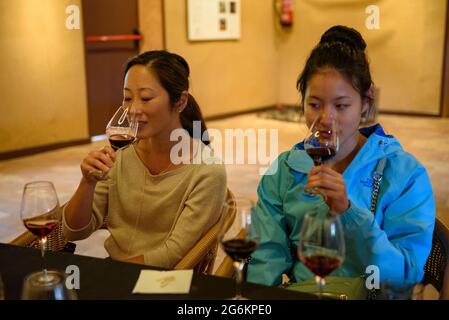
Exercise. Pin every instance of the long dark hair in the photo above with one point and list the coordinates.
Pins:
(173, 73)
(343, 49)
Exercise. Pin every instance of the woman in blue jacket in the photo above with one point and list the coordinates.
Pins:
(336, 84)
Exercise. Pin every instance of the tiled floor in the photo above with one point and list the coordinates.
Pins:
(426, 138)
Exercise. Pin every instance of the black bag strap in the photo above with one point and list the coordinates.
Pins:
(377, 176)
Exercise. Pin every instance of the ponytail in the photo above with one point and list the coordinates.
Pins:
(191, 113)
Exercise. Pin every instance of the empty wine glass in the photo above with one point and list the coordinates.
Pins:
(321, 245)
(40, 213)
(240, 239)
(121, 130)
(54, 289)
(321, 143)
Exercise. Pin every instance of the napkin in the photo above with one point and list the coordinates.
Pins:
(151, 281)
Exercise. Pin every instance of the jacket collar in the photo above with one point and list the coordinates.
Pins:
(377, 146)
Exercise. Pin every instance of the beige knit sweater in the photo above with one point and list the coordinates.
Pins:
(158, 216)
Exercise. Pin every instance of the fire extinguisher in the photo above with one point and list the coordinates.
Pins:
(285, 9)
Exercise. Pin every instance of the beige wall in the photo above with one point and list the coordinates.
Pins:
(261, 68)
(406, 53)
(229, 76)
(151, 24)
(42, 79)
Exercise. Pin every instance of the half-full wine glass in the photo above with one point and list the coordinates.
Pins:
(321, 245)
(40, 213)
(240, 239)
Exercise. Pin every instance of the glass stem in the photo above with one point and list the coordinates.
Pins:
(320, 284)
(43, 242)
(238, 267)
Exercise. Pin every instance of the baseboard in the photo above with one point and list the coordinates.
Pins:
(34, 150)
(237, 113)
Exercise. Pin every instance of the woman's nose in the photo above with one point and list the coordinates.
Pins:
(327, 116)
(134, 110)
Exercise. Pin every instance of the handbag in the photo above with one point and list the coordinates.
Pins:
(346, 288)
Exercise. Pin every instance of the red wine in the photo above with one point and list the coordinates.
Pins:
(321, 265)
(321, 154)
(42, 225)
(239, 249)
(118, 141)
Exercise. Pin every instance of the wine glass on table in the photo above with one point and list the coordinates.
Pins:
(40, 213)
(239, 238)
(321, 245)
(121, 130)
(54, 289)
(321, 143)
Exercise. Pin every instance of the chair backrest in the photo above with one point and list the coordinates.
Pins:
(436, 270)
(202, 256)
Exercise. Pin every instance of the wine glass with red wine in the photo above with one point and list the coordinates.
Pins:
(321, 245)
(239, 238)
(321, 143)
(40, 213)
(121, 129)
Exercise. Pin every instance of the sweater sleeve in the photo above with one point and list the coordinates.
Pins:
(401, 246)
(201, 211)
(99, 209)
(272, 257)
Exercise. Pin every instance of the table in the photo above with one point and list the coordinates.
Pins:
(109, 279)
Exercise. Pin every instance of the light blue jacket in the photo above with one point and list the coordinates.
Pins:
(397, 238)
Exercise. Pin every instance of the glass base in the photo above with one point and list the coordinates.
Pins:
(44, 278)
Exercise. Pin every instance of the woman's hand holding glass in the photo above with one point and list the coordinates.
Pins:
(331, 185)
(97, 163)
(121, 130)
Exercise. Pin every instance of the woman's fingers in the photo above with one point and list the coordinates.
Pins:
(97, 163)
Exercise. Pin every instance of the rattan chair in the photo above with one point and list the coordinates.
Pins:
(436, 270)
(200, 258)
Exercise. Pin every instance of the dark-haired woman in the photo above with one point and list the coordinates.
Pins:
(336, 86)
(157, 208)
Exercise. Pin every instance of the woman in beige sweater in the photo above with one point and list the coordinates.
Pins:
(157, 208)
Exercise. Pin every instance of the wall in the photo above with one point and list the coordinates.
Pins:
(229, 76)
(151, 24)
(406, 53)
(42, 81)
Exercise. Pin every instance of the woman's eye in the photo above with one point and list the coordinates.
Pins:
(342, 106)
(313, 105)
(126, 99)
(146, 99)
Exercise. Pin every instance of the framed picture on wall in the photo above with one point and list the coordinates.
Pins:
(213, 20)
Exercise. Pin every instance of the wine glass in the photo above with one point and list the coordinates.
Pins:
(321, 144)
(240, 239)
(54, 289)
(40, 213)
(121, 130)
(321, 245)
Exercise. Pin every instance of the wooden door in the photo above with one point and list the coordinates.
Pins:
(106, 56)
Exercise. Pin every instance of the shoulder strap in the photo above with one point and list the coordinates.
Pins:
(377, 176)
